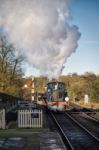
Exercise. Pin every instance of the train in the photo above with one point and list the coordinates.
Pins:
(56, 96)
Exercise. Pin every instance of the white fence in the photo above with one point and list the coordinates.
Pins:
(30, 118)
(2, 119)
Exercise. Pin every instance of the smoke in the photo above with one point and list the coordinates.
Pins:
(40, 32)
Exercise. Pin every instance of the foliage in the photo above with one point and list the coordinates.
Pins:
(79, 85)
(76, 85)
(40, 83)
(11, 79)
(10, 69)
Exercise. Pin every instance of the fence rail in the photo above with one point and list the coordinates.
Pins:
(2, 119)
(30, 118)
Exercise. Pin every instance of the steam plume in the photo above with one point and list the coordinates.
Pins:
(39, 30)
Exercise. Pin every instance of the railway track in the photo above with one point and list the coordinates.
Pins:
(94, 115)
(88, 111)
(91, 124)
(75, 136)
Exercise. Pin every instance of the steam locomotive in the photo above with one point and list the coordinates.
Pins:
(56, 96)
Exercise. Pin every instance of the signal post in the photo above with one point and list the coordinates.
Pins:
(32, 90)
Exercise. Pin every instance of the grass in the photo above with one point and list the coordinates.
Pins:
(93, 105)
(31, 136)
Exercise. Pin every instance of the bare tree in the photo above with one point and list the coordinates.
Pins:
(10, 66)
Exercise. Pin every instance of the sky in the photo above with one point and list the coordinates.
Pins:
(86, 58)
(40, 32)
(28, 26)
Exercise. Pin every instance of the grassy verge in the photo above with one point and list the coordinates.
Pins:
(31, 137)
(93, 105)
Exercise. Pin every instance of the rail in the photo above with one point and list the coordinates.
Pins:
(77, 137)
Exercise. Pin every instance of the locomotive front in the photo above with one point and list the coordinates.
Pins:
(56, 95)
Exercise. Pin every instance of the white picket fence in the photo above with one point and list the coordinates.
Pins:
(2, 119)
(30, 118)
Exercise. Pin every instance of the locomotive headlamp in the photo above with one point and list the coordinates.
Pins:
(66, 99)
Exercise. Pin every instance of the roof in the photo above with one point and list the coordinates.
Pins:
(55, 82)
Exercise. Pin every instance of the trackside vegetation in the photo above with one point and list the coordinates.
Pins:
(11, 78)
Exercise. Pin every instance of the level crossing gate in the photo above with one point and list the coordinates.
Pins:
(30, 118)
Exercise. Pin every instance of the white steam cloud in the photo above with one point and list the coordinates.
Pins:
(40, 32)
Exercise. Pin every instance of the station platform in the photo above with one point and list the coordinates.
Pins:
(51, 141)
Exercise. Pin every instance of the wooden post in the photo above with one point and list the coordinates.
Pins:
(2, 119)
(32, 91)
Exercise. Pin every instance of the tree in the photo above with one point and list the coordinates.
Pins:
(94, 93)
(10, 68)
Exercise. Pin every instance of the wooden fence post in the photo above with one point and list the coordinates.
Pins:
(2, 119)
